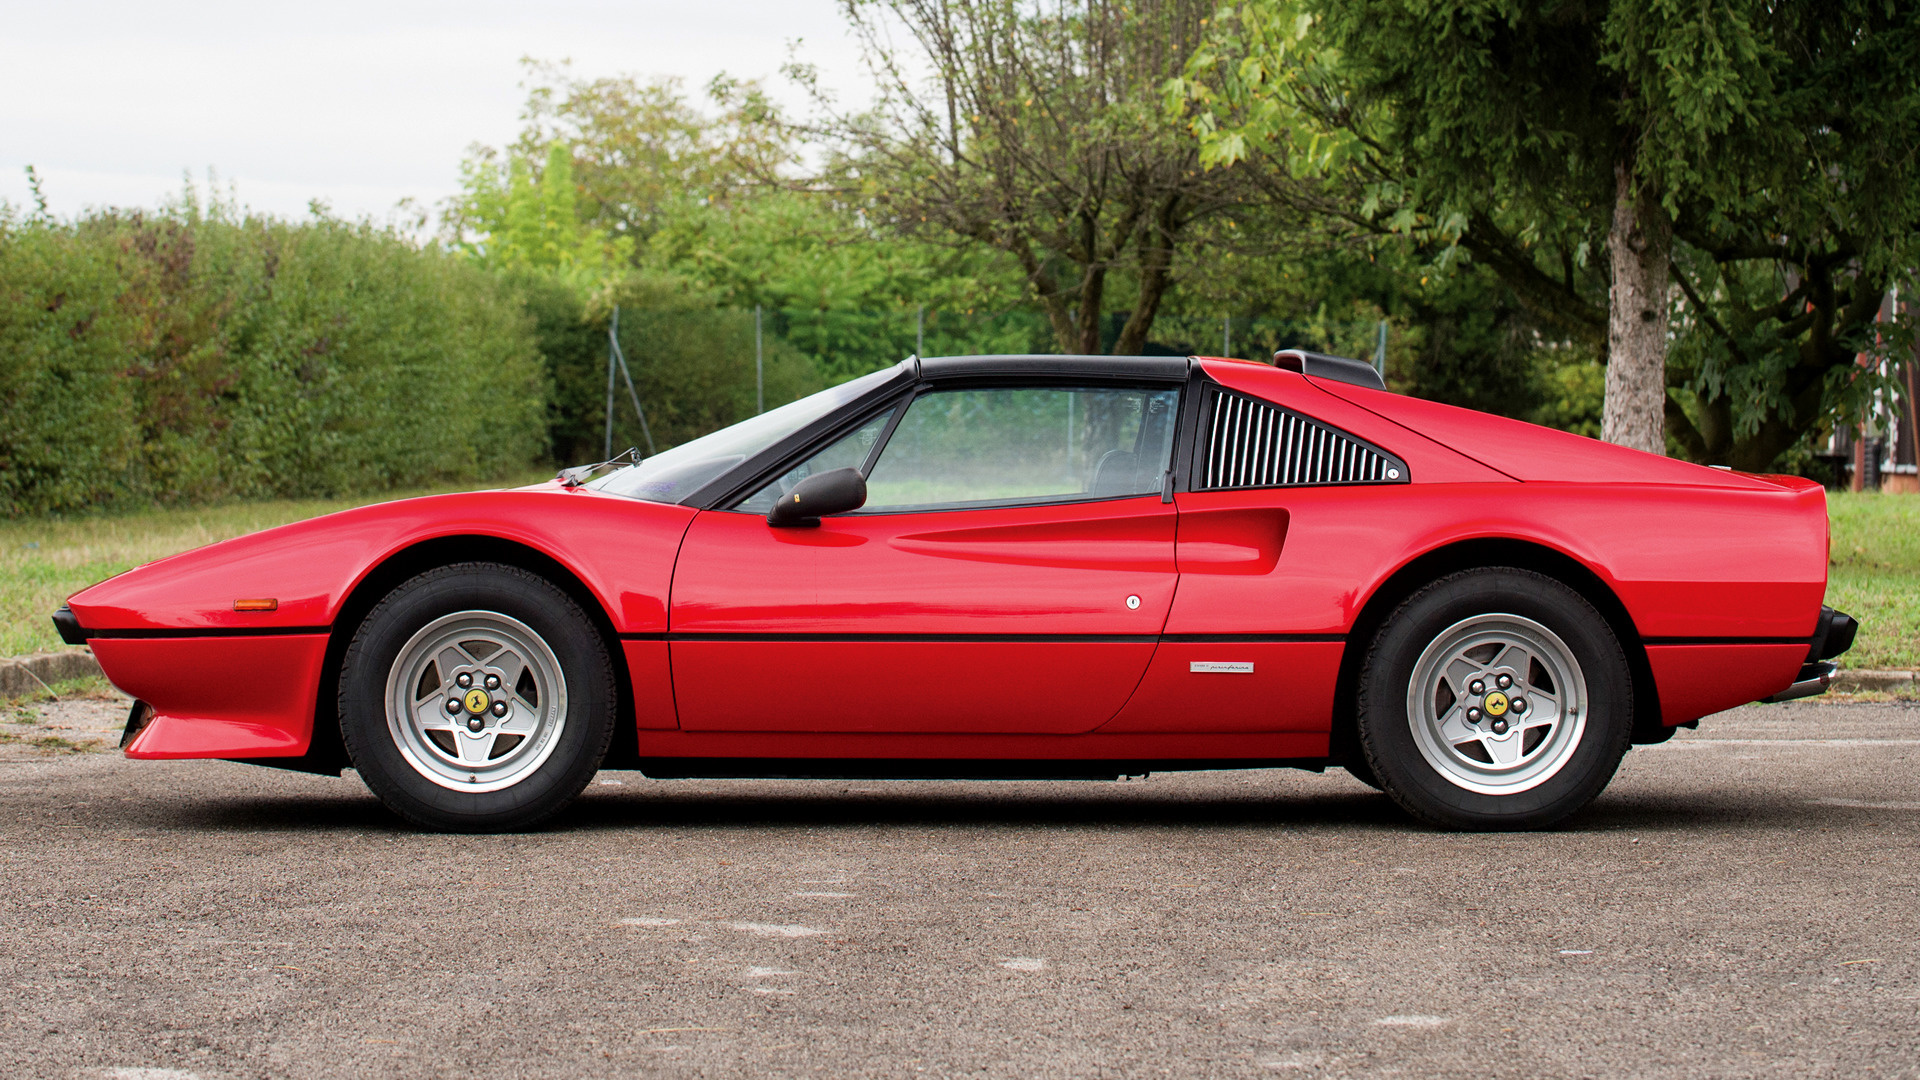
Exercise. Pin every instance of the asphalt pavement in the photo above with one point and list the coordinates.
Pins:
(1743, 901)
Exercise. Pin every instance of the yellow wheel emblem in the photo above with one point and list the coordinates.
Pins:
(476, 701)
(1496, 703)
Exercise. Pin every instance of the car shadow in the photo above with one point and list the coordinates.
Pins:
(984, 804)
(980, 807)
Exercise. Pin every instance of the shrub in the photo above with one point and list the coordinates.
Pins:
(67, 431)
(194, 354)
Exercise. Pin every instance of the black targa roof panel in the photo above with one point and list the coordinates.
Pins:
(1122, 367)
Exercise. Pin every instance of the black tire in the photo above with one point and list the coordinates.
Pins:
(514, 597)
(1358, 769)
(1438, 785)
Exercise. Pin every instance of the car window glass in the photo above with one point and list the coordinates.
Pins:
(672, 475)
(1028, 444)
(848, 453)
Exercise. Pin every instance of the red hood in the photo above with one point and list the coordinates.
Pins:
(1533, 453)
(621, 549)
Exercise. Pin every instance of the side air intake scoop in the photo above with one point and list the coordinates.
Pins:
(1322, 366)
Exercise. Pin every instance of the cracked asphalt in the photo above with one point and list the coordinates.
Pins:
(1743, 901)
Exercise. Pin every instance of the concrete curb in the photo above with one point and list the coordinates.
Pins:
(27, 674)
(1867, 679)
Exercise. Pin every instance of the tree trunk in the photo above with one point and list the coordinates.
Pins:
(1640, 245)
(1153, 287)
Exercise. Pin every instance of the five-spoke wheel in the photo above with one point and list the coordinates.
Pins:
(476, 700)
(1495, 703)
(1494, 698)
(476, 697)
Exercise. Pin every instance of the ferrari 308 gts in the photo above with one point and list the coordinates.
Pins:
(1004, 566)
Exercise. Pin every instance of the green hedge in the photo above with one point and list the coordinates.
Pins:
(189, 356)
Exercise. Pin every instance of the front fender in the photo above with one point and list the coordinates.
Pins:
(621, 549)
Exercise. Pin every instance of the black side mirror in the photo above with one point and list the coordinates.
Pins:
(818, 495)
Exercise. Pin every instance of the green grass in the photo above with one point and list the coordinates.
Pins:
(43, 560)
(19, 709)
(1875, 576)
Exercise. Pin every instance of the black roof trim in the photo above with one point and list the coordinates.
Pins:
(1322, 366)
(1123, 367)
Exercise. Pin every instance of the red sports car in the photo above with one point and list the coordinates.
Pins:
(1002, 566)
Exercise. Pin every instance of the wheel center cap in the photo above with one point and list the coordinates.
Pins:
(477, 700)
(1495, 704)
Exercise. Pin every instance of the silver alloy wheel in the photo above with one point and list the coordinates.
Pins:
(1497, 704)
(476, 701)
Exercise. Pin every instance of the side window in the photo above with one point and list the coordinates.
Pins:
(1021, 445)
(1252, 443)
(851, 452)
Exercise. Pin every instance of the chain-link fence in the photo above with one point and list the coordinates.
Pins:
(698, 370)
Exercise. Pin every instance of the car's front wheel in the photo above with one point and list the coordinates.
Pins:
(476, 697)
(1495, 699)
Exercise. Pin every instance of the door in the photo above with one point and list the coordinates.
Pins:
(1010, 572)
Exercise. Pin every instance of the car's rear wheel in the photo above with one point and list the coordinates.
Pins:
(1495, 699)
(476, 697)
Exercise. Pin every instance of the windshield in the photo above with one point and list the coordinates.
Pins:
(672, 475)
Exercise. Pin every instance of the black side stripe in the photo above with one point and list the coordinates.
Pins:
(1202, 639)
(212, 632)
(1138, 639)
(1727, 641)
(1198, 639)
(290, 631)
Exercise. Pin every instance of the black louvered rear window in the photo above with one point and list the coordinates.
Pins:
(1252, 443)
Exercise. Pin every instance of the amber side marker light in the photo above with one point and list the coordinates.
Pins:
(266, 604)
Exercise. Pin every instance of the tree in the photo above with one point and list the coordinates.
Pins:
(636, 148)
(512, 217)
(843, 287)
(1758, 140)
(1459, 337)
(1038, 132)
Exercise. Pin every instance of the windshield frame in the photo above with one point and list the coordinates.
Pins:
(903, 376)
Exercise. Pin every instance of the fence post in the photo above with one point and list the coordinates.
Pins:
(920, 331)
(613, 338)
(1380, 350)
(626, 371)
(759, 367)
(1226, 336)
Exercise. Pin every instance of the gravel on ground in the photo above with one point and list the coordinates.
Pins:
(1743, 901)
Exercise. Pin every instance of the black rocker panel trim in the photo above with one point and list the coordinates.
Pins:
(709, 768)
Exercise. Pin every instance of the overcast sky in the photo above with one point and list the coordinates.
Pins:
(356, 102)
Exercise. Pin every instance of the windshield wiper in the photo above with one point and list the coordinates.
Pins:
(580, 474)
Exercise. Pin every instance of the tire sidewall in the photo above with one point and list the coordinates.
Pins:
(1386, 732)
(580, 745)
